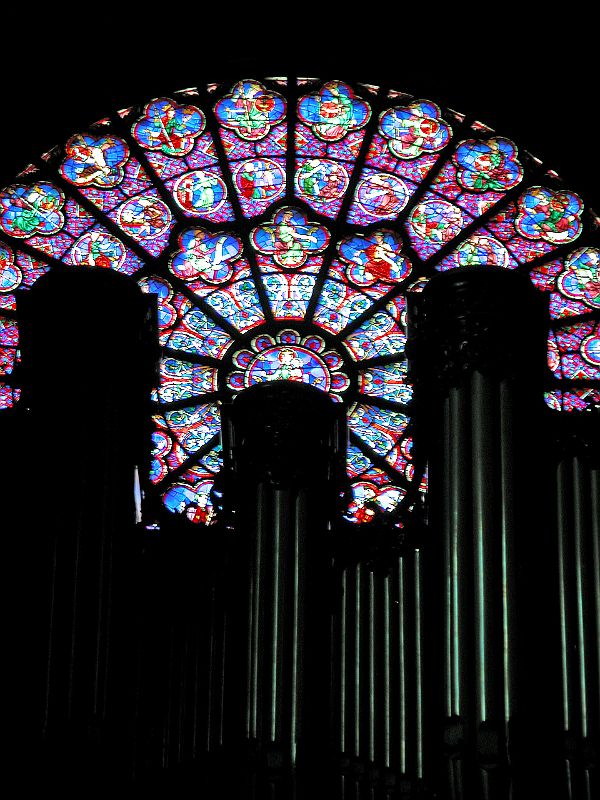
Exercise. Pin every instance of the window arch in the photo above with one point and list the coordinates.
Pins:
(281, 224)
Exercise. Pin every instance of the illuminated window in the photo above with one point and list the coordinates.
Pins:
(281, 225)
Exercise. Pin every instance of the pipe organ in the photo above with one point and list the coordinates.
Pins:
(278, 653)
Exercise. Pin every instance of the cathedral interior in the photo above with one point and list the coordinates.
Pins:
(449, 650)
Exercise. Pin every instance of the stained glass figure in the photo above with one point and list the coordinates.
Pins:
(280, 224)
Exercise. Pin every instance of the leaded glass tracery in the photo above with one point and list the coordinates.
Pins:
(280, 223)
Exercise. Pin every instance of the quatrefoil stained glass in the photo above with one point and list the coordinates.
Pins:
(281, 224)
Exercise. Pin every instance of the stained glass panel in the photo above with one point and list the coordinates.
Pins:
(280, 224)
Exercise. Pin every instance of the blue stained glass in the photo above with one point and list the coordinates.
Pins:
(259, 182)
(379, 196)
(374, 257)
(27, 211)
(339, 305)
(379, 428)
(9, 396)
(322, 184)
(290, 238)
(333, 111)
(433, 223)
(554, 217)
(194, 426)
(250, 110)
(205, 255)
(99, 248)
(484, 165)
(191, 495)
(415, 129)
(202, 193)
(169, 127)
(289, 295)
(213, 460)
(580, 280)
(10, 272)
(478, 250)
(95, 160)
(105, 188)
(239, 304)
(356, 461)
(215, 283)
(387, 382)
(180, 380)
(378, 336)
(198, 334)
(147, 219)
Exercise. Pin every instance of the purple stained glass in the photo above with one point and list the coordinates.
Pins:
(322, 184)
(7, 360)
(147, 219)
(239, 304)
(259, 182)
(339, 305)
(226, 289)
(289, 295)
(580, 279)
(9, 332)
(554, 217)
(503, 227)
(250, 110)
(334, 111)
(205, 255)
(576, 400)
(169, 127)
(95, 160)
(484, 165)
(433, 223)
(374, 257)
(9, 396)
(574, 351)
(378, 196)
(290, 238)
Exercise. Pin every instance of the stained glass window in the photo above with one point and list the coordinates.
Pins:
(281, 224)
